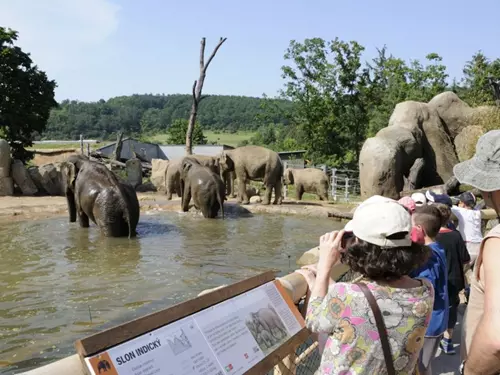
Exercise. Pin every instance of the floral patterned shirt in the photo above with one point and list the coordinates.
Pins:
(353, 344)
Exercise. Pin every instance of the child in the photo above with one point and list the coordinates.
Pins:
(469, 223)
(426, 222)
(456, 256)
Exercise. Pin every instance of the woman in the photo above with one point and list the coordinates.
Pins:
(482, 321)
(384, 254)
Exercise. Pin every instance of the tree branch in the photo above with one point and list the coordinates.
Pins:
(202, 54)
(221, 41)
(202, 97)
(194, 90)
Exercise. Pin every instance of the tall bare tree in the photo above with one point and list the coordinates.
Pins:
(197, 88)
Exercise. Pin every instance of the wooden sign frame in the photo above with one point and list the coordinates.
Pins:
(104, 340)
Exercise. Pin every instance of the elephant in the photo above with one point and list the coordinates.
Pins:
(308, 180)
(229, 178)
(96, 193)
(204, 186)
(173, 172)
(268, 319)
(254, 163)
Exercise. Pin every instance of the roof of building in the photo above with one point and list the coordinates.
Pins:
(292, 152)
(179, 151)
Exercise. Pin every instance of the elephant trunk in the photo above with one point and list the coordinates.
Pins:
(70, 197)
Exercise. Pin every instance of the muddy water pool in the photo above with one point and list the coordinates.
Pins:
(60, 282)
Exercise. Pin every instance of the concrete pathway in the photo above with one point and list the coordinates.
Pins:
(446, 364)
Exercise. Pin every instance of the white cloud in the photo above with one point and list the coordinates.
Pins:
(61, 35)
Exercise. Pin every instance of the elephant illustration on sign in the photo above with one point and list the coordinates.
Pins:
(96, 193)
(307, 180)
(204, 186)
(254, 163)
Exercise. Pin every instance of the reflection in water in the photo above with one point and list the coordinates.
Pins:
(60, 282)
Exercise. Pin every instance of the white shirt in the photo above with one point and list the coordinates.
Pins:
(469, 224)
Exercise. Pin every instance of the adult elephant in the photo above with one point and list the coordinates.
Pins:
(173, 172)
(307, 180)
(96, 193)
(229, 178)
(204, 186)
(254, 163)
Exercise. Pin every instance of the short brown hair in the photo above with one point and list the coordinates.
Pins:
(445, 212)
(429, 217)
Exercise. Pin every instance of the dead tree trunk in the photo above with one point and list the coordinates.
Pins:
(197, 88)
(118, 147)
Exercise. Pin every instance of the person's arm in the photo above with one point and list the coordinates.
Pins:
(462, 251)
(484, 356)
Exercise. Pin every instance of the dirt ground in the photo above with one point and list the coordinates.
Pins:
(32, 208)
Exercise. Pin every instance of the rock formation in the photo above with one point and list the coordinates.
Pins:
(6, 183)
(419, 146)
(22, 178)
(158, 171)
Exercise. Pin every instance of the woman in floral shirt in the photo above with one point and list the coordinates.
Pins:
(382, 251)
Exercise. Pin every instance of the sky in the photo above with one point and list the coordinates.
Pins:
(97, 49)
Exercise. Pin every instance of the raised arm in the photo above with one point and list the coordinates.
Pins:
(484, 356)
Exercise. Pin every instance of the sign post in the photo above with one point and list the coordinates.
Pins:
(231, 331)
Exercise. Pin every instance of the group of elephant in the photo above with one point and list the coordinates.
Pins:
(209, 179)
(95, 193)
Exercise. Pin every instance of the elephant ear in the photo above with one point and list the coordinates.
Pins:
(289, 175)
(70, 173)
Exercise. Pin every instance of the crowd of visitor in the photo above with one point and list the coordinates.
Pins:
(413, 263)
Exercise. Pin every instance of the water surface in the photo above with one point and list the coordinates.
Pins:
(60, 282)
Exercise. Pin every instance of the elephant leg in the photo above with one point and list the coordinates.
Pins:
(299, 191)
(232, 180)
(170, 188)
(278, 196)
(186, 198)
(83, 219)
(242, 192)
(268, 194)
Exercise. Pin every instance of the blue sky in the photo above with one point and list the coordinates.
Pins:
(103, 48)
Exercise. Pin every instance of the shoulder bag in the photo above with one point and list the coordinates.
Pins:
(379, 320)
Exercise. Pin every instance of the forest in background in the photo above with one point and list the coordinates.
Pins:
(331, 101)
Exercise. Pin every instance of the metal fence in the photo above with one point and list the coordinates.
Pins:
(344, 185)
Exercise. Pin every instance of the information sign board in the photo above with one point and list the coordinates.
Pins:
(226, 338)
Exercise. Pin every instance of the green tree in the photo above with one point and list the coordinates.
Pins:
(326, 83)
(393, 81)
(478, 90)
(26, 96)
(177, 133)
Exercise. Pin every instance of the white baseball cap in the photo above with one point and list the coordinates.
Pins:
(374, 222)
(419, 199)
(372, 199)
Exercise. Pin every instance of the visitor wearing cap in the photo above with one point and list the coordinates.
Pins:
(383, 253)
(408, 203)
(469, 223)
(419, 199)
(426, 222)
(482, 320)
(434, 198)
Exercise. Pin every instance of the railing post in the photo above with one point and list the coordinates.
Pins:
(346, 194)
(334, 184)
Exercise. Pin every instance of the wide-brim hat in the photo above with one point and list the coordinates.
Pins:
(483, 170)
(372, 199)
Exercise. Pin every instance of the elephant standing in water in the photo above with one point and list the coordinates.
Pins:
(254, 163)
(174, 169)
(309, 180)
(96, 193)
(204, 186)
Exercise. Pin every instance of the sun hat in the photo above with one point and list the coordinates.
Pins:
(374, 222)
(468, 198)
(372, 199)
(408, 203)
(419, 199)
(438, 198)
(483, 170)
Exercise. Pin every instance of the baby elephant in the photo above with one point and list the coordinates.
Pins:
(307, 180)
(204, 186)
